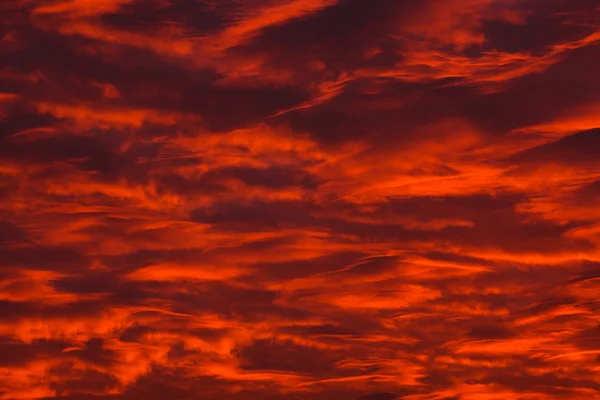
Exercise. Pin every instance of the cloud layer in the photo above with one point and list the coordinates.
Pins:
(299, 199)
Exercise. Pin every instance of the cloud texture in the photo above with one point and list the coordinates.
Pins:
(299, 199)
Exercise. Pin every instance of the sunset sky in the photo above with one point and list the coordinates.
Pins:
(299, 199)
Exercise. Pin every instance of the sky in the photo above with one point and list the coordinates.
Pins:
(299, 199)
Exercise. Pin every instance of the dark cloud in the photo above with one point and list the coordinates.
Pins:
(257, 216)
(287, 356)
(43, 258)
(197, 17)
(547, 24)
(530, 100)
(337, 36)
(578, 149)
(18, 353)
(378, 396)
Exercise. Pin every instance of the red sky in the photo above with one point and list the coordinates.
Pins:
(299, 199)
